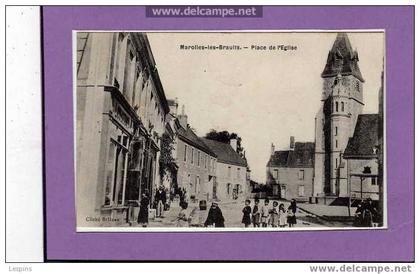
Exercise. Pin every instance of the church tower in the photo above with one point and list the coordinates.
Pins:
(342, 102)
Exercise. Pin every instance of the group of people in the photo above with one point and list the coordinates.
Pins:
(159, 204)
(258, 215)
(366, 214)
(269, 216)
(214, 217)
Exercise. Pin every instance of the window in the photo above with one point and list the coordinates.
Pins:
(185, 153)
(120, 59)
(128, 73)
(229, 172)
(373, 181)
(192, 155)
(190, 182)
(116, 171)
(342, 106)
(109, 181)
(301, 174)
(276, 174)
(197, 185)
(336, 106)
(198, 158)
(301, 191)
(336, 131)
(336, 143)
(336, 163)
(136, 79)
(238, 173)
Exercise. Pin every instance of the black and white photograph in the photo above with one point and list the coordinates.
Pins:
(236, 131)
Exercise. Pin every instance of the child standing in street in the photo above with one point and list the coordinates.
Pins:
(274, 215)
(246, 219)
(256, 213)
(291, 217)
(282, 216)
(265, 213)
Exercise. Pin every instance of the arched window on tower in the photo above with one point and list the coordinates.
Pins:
(336, 106)
(342, 106)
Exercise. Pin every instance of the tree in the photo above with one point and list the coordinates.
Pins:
(225, 137)
(167, 162)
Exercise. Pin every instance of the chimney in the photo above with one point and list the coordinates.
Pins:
(183, 118)
(272, 149)
(292, 142)
(173, 108)
(234, 144)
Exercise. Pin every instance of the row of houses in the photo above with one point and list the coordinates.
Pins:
(122, 117)
(207, 169)
(343, 161)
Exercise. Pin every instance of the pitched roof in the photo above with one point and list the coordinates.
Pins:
(342, 59)
(188, 136)
(364, 142)
(225, 153)
(302, 156)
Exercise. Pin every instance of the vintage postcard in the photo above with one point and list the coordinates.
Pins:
(236, 131)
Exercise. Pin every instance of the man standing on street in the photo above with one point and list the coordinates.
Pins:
(160, 199)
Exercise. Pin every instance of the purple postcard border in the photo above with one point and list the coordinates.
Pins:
(394, 244)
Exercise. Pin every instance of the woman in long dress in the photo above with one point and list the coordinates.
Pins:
(143, 217)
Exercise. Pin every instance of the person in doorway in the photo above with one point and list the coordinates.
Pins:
(160, 198)
(215, 217)
(256, 213)
(143, 218)
(246, 218)
(265, 213)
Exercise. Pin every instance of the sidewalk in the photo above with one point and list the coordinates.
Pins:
(330, 213)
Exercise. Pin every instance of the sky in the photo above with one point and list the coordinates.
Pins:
(265, 96)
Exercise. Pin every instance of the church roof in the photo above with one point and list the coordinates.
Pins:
(342, 59)
(302, 156)
(225, 153)
(364, 142)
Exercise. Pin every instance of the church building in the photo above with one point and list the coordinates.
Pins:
(335, 122)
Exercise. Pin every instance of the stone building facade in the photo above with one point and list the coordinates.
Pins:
(290, 172)
(196, 162)
(232, 172)
(362, 158)
(120, 117)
